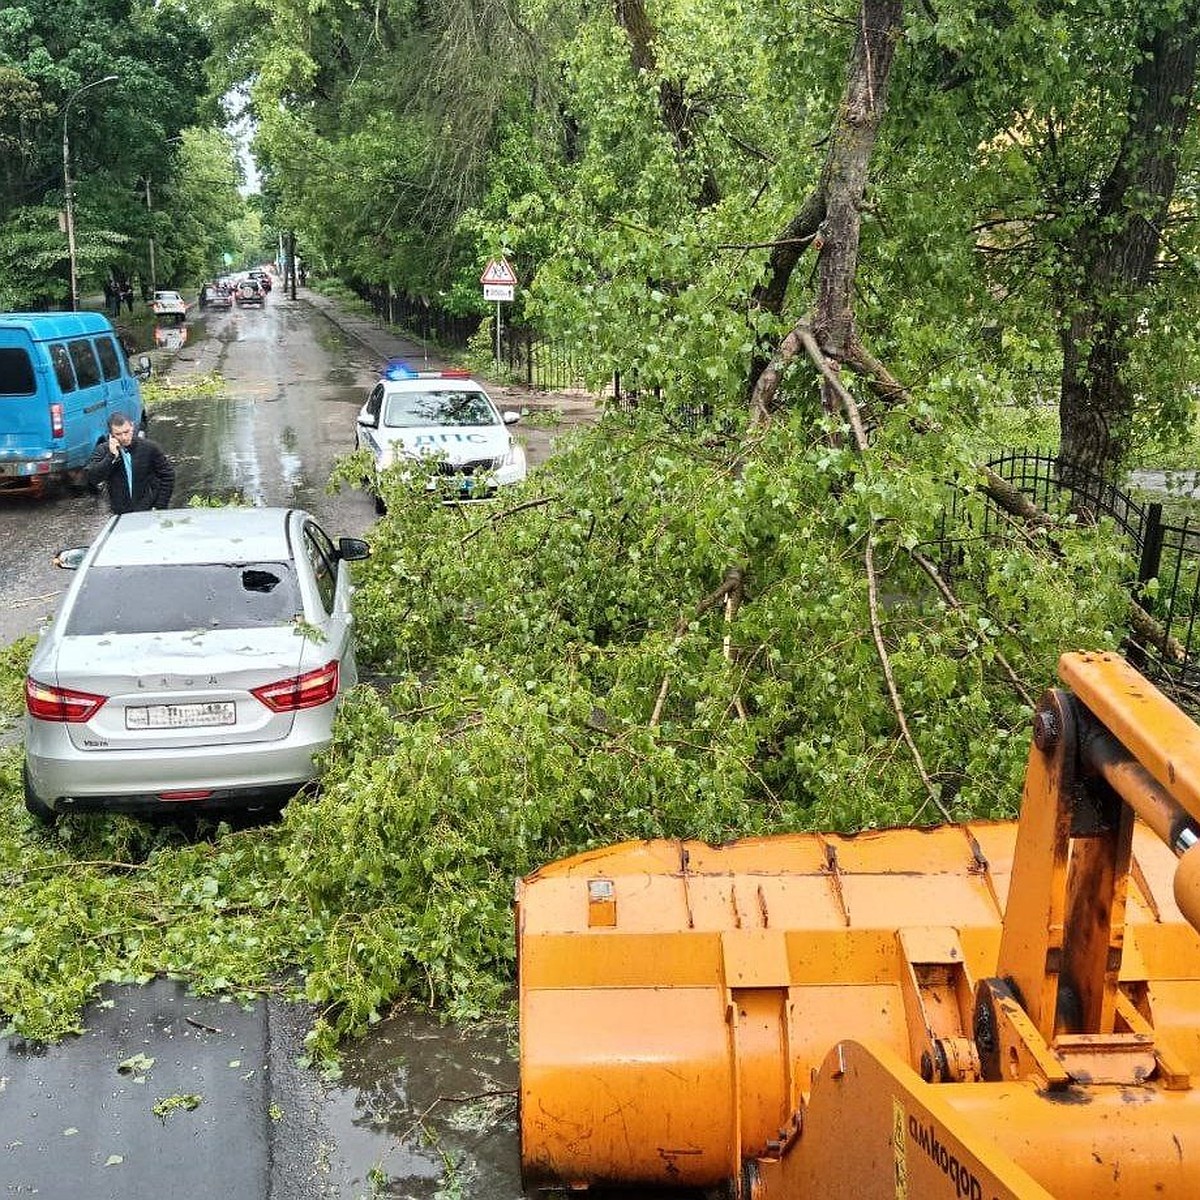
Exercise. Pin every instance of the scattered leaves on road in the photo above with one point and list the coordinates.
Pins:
(169, 1104)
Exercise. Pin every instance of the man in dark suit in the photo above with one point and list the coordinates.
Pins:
(138, 474)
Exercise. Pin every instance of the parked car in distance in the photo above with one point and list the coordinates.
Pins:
(220, 295)
(169, 304)
(61, 375)
(263, 277)
(447, 419)
(249, 292)
(196, 662)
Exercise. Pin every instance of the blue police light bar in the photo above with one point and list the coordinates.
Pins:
(397, 368)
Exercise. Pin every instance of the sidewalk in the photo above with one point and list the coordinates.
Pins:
(573, 408)
(371, 333)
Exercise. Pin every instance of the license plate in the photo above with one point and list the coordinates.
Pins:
(181, 716)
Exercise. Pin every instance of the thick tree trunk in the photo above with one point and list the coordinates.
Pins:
(1114, 253)
(829, 220)
(853, 139)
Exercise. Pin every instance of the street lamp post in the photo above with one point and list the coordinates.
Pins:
(66, 148)
(150, 218)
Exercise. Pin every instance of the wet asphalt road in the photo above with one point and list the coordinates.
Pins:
(294, 381)
(397, 1124)
(293, 388)
(421, 1111)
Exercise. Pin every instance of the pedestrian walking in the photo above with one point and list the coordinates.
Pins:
(126, 295)
(139, 476)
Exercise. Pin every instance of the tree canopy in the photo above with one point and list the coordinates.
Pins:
(126, 141)
(655, 172)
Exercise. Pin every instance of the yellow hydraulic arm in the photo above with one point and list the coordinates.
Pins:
(988, 1010)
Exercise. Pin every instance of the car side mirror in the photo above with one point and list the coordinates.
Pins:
(145, 368)
(510, 417)
(70, 558)
(365, 418)
(352, 549)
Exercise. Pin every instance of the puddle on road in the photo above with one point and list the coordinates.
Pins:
(422, 1111)
(426, 1110)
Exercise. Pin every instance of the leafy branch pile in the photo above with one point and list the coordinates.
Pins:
(571, 667)
(771, 625)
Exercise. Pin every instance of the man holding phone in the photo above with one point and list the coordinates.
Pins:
(138, 474)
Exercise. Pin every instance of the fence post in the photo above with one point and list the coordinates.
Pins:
(1152, 544)
(1149, 563)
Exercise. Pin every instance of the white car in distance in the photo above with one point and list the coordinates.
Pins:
(169, 304)
(446, 418)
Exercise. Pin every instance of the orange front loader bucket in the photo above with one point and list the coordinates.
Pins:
(987, 1010)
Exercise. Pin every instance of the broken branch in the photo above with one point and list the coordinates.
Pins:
(886, 663)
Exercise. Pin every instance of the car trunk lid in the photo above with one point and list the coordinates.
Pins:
(180, 689)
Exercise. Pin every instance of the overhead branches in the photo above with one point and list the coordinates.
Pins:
(677, 108)
(828, 220)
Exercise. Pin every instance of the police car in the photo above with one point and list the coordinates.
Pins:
(445, 420)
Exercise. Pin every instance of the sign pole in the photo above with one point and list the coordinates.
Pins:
(499, 284)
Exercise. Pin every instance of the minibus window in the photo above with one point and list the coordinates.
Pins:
(87, 369)
(63, 370)
(110, 361)
(16, 372)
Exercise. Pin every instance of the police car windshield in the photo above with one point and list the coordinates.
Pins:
(409, 410)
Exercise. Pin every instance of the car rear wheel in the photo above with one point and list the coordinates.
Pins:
(37, 808)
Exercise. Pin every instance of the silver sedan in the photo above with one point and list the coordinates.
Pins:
(197, 662)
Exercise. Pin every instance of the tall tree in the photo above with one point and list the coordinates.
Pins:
(1108, 266)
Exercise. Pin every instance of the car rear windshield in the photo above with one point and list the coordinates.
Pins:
(161, 599)
(16, 372)
(407, 410)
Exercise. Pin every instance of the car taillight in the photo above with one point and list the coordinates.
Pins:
(60, 704)
(56, 421)
(301, 691)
